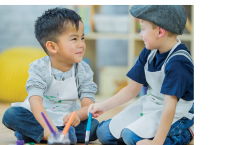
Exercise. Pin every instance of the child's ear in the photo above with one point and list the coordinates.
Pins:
(51, 46)
(161, 32)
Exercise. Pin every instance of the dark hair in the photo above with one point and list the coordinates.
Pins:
(53, 23)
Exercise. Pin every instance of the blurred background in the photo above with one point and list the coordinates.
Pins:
(111, 36)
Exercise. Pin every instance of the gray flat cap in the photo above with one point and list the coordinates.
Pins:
(169, 17)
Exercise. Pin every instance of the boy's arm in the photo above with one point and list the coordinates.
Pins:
(36, 105)
(86, 86)
(167, 117)
(127, 93)
(35, 87)
(82, 113)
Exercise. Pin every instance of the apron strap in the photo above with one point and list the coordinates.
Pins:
(172, 50)
(49, 66)
(179, 52)
(151, 56)
(184, 53)
(153, 52)
(76, 79)
(49, 69)
(73, 70)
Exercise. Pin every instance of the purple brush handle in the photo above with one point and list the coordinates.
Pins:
(47, 122)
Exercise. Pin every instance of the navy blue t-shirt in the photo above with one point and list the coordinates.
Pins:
(179, 73)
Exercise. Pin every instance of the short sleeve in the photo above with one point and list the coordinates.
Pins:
(178, 79)
(86, 87)
(38, 78)
(137, 72)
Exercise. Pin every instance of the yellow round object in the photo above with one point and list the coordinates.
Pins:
(14, 66)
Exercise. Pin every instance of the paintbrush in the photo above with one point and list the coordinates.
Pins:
(88, 129)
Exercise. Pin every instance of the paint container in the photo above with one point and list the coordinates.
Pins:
(19, 142)
(59, 139)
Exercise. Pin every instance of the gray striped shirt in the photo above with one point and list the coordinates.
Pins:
(39, 78)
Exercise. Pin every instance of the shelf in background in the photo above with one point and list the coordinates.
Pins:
(183, 37)
(95, 35)
(136, 36)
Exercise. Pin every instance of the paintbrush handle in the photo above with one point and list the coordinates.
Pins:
(89, 122)
(66, 128)
(47, 122)
(88, 129)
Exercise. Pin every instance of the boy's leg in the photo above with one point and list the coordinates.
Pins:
(181, 125)
(23, 121)
(183, 139)
(130, 138)
(81, 130)
(180, 132)
(104, 135)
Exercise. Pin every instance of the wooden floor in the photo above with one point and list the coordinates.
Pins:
(7, 136)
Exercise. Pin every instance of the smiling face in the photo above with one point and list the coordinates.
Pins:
(71, 45)
(149, 35)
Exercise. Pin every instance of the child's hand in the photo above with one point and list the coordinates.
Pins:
(96, 109)
(47, 132)
(76, 121)
(146, 142)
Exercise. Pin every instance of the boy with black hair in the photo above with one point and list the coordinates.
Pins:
(56, 82)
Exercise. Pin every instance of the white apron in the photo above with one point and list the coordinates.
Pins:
(59, 99)
(143, 117)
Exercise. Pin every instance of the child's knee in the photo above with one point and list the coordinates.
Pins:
(72, 135)
(13, 115)
(103, 133)
(127, 136)
(94, 124)
(9, 115)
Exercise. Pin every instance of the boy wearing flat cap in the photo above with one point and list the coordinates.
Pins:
(165, 115)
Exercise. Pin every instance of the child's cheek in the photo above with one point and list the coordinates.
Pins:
(72, 48)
